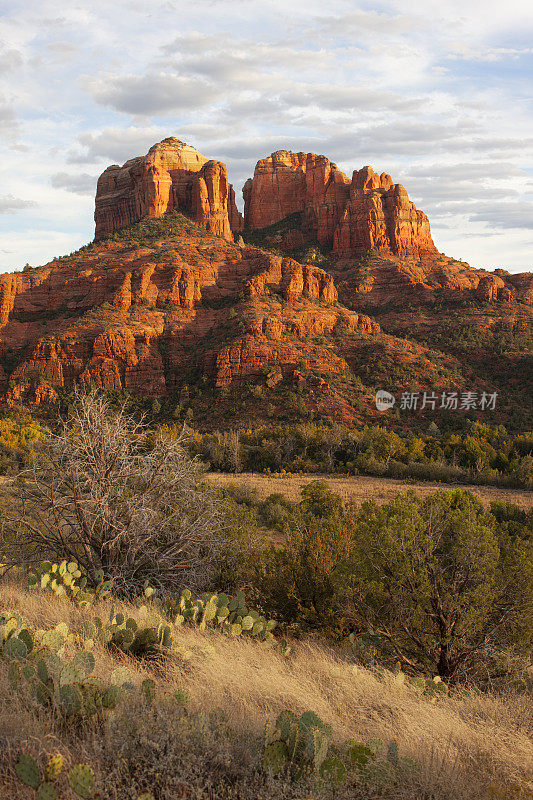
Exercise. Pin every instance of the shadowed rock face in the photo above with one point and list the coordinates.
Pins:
(368, 212)
(171, 176)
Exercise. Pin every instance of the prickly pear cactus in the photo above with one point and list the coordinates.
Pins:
(84, 662)
(333, 770)
(80, 777)
(149, 634)
(67, 580)
(28, 771)
(218, 610)
(82, 781)
(47, 791)
(392, 753)
(70, 699)
(112, 697)
(181, 697)
(148, 690)
(275, 757)
(303, 742)
(53, 768)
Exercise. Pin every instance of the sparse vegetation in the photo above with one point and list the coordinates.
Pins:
(115, 679)
(100, 494)
(200, 721)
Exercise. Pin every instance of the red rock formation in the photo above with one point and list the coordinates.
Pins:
(379, 216)
(369, 212)
(291, 280)
(492, 288)
(171, 176)
(247, 356)
(98, 317)
(139, 319)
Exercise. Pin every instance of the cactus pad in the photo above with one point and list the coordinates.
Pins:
(84, 662)
(53, 639)
(112, 696)
(359, 754)
(81, 779)
(392, 753)
(53, 768)
(120, 676)
(181, 697)
(14, 674)
(70, 699)
(333, 770)
(28, 771)
(275, 757)
(47, 791)
(14, 648)
(68, 675)
(148, 690)
(26, 637)
(285, 722)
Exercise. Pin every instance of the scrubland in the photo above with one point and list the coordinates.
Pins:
(153, 638)
(466, 745)
(361, 487)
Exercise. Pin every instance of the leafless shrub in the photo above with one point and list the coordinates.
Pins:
(106, 494)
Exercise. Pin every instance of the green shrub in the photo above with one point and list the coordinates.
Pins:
(436, 584)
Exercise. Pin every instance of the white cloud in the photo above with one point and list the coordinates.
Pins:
(115, 144)
(152, 94)
(80, 183)
(434, 93)
(372, 22)
(10, 204)
(9, 125)
(10, 59)
(504, 214)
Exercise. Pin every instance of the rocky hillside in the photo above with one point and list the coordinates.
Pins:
(332, 288)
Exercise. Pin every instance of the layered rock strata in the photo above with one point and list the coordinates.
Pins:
(172, 176)
(368, 212)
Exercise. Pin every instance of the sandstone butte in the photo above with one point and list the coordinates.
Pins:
(368, 212)
(171, 176)
(137, 313)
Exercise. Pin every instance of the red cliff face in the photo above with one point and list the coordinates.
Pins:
(132, 319)
(169, 300)
(370, 212)
(172, 176)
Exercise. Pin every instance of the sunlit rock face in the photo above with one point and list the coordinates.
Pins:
(172, 176)
(368, 212)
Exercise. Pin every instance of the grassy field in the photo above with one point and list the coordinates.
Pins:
(362, 487)
(467, 746)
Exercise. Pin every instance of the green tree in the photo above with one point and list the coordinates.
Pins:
(435, 585)
(319, 500)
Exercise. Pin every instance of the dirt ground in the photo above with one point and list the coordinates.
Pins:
(362, 487)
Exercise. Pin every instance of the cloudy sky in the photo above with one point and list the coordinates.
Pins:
(437, 93)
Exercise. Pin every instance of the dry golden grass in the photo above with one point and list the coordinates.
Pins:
(462, 743)
(363, 487)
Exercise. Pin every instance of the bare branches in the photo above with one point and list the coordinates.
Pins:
(105, 494)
